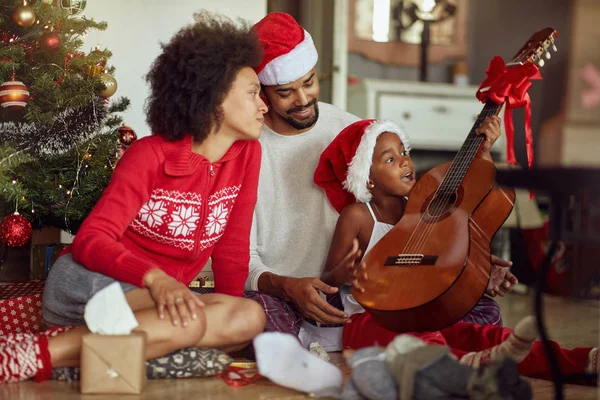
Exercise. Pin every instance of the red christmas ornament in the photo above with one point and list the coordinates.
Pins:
(15, 230)
(50, 42)
(126, 135)
(13, 95)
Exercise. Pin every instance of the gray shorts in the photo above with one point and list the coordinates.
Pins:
(67, 290)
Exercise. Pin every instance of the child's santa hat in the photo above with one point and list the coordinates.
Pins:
(288, 50)
(345, 165)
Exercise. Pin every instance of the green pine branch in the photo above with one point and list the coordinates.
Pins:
(57, 154)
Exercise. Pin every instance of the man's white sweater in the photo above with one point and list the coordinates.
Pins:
(293, 220)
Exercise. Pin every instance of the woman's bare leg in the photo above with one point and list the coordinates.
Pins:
(225, 322)
(232, 321)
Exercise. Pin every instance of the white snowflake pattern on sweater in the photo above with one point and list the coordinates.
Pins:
(152, 213)
(220, 205)
(184, 221)
(217, 219)
(172, 217)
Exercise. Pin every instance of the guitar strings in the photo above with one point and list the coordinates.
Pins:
(451, 180)
(456, 170)
(470, 148)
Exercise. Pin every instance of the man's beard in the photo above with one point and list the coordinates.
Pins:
(299, 125)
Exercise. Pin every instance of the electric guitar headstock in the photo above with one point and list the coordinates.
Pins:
(537, 48)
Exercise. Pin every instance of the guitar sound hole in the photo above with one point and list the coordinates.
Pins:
(441, 204)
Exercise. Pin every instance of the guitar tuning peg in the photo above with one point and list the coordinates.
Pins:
(541, 62)
(548, 55)
(554, 47)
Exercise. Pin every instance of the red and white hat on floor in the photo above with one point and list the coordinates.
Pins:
(289, 51)
(345, 165)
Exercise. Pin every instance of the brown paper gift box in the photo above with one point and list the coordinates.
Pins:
(113, 363)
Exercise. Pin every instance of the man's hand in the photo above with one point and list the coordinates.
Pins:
(501, 279)
(490, 128)
(304, 293)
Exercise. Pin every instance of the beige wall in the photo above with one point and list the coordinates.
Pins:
(574, 137)
(135, 29)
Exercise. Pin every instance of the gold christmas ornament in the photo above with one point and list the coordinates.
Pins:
(111, 85)
(13, 95)
(24, 16)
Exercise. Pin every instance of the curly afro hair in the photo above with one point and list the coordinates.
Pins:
(191, 78)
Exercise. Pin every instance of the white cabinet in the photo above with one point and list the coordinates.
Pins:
(436, 116)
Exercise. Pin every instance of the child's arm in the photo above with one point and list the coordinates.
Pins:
(343, 262)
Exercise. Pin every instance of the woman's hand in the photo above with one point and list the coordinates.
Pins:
(173, 296)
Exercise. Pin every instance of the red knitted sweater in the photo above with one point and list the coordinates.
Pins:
(169, 208)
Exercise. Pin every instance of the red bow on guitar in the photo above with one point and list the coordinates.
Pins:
(510, 85)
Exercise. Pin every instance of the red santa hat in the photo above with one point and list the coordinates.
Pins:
(289, 51)
(344, 167)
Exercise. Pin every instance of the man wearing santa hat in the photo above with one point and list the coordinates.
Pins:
(293, 220)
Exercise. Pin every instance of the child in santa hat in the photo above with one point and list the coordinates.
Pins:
(367, 174)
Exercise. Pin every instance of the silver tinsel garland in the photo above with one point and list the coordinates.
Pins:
(70, 127)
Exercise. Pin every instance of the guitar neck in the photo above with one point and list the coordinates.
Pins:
(468, 151)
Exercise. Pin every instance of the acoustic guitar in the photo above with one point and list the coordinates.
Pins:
(432, 268)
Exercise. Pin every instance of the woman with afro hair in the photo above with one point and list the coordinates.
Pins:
(176, 198)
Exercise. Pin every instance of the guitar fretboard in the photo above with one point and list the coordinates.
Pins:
(467, 152)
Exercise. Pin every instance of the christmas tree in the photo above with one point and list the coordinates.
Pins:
(58, 129)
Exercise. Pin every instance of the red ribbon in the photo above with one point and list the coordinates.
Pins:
(510, 85)
(238, 376)
(68, 58)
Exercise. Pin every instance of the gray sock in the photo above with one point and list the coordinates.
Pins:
(351, 392)
(443, 378)
(404, 366)
(499, 380)
(370, 374)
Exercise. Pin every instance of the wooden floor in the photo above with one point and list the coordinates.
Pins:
(572, 323)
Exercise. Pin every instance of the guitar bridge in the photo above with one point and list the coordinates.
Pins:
(410, 259)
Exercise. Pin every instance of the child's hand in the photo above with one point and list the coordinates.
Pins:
(354, 269)
(501, 279)
(490, 128)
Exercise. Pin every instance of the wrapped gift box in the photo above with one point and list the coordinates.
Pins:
(113, 364)
(202, 286)
(21, 307)
(42, 258)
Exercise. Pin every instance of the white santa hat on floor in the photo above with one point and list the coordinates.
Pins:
(288, 50)
(344, 167)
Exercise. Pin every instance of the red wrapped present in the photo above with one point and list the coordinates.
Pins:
(21, 307)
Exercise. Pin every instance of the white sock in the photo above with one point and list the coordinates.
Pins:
(591, 367)
(282, 359)
(517, 346)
